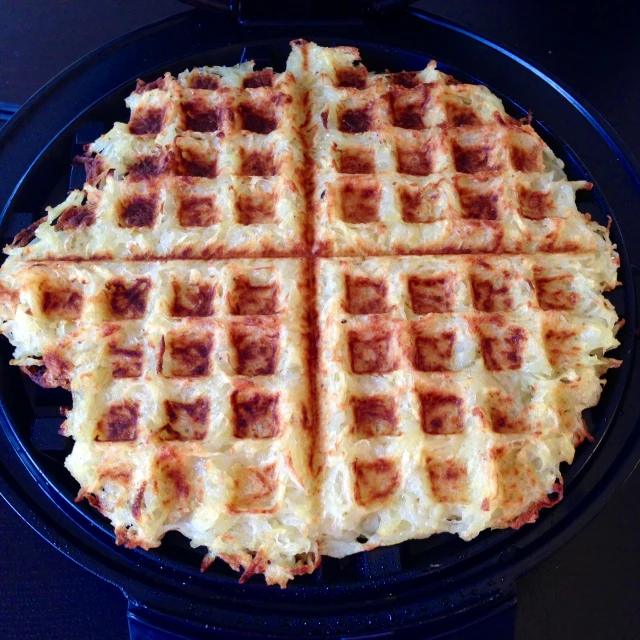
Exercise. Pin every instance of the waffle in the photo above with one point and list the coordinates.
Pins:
(315, 312)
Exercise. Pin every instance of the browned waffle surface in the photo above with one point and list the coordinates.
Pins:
(315, 312)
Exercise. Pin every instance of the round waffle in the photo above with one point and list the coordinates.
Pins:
(315, 312)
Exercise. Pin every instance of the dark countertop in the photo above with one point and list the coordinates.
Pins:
(591, 587)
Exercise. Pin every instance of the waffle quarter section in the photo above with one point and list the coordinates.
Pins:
(210, 165)
(191, 398)
(445, 389)
(418, 163)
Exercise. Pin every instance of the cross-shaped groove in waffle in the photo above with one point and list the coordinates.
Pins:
(321, 310)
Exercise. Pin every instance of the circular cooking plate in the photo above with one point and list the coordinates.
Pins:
(370, 590)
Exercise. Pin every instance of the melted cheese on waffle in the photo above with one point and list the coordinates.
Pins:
(315, 312)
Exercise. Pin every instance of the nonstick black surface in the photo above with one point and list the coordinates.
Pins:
(583, 590)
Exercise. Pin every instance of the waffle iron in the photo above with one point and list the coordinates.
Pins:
(439, 587)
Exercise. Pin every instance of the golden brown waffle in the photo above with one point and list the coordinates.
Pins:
(316, 312)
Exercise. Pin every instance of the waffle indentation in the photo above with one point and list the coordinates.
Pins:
(127, 300)
(256, 348)
(562, 346)
(255, 490)
(502, 346)
(256, 207)
(449, 481)
(355, 120)
(460, 114)
(555, 294)
(433, 349)
(356, 160)
(149, 121)
(360, 200)
(516, 479)
(366, 296)
(255, 413)
(173, 477)
(207, 82)
(249, 299)
(198, 211)
(352, 77)
(126, 362)
(258, 117)
(408, 106)
(406, 79)
(195, 157)
(61, 301)
(192, 299)
(258, 163)
(186, 420)
(119, 423)
(200, 116)
(432, 294)
(441, 413)
(535, 205)
(374, 416)
(138, 211)
(76, 218)
(414, 160)
(470, 156)
(504, 414)
(492, 293)
(263, 78)
(148, 167)
(372, 351)
(187, 354)
(478, 200)
(423, 204)
(525, 153)
(375, 481)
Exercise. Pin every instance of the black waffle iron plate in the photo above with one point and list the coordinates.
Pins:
(423, 588)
